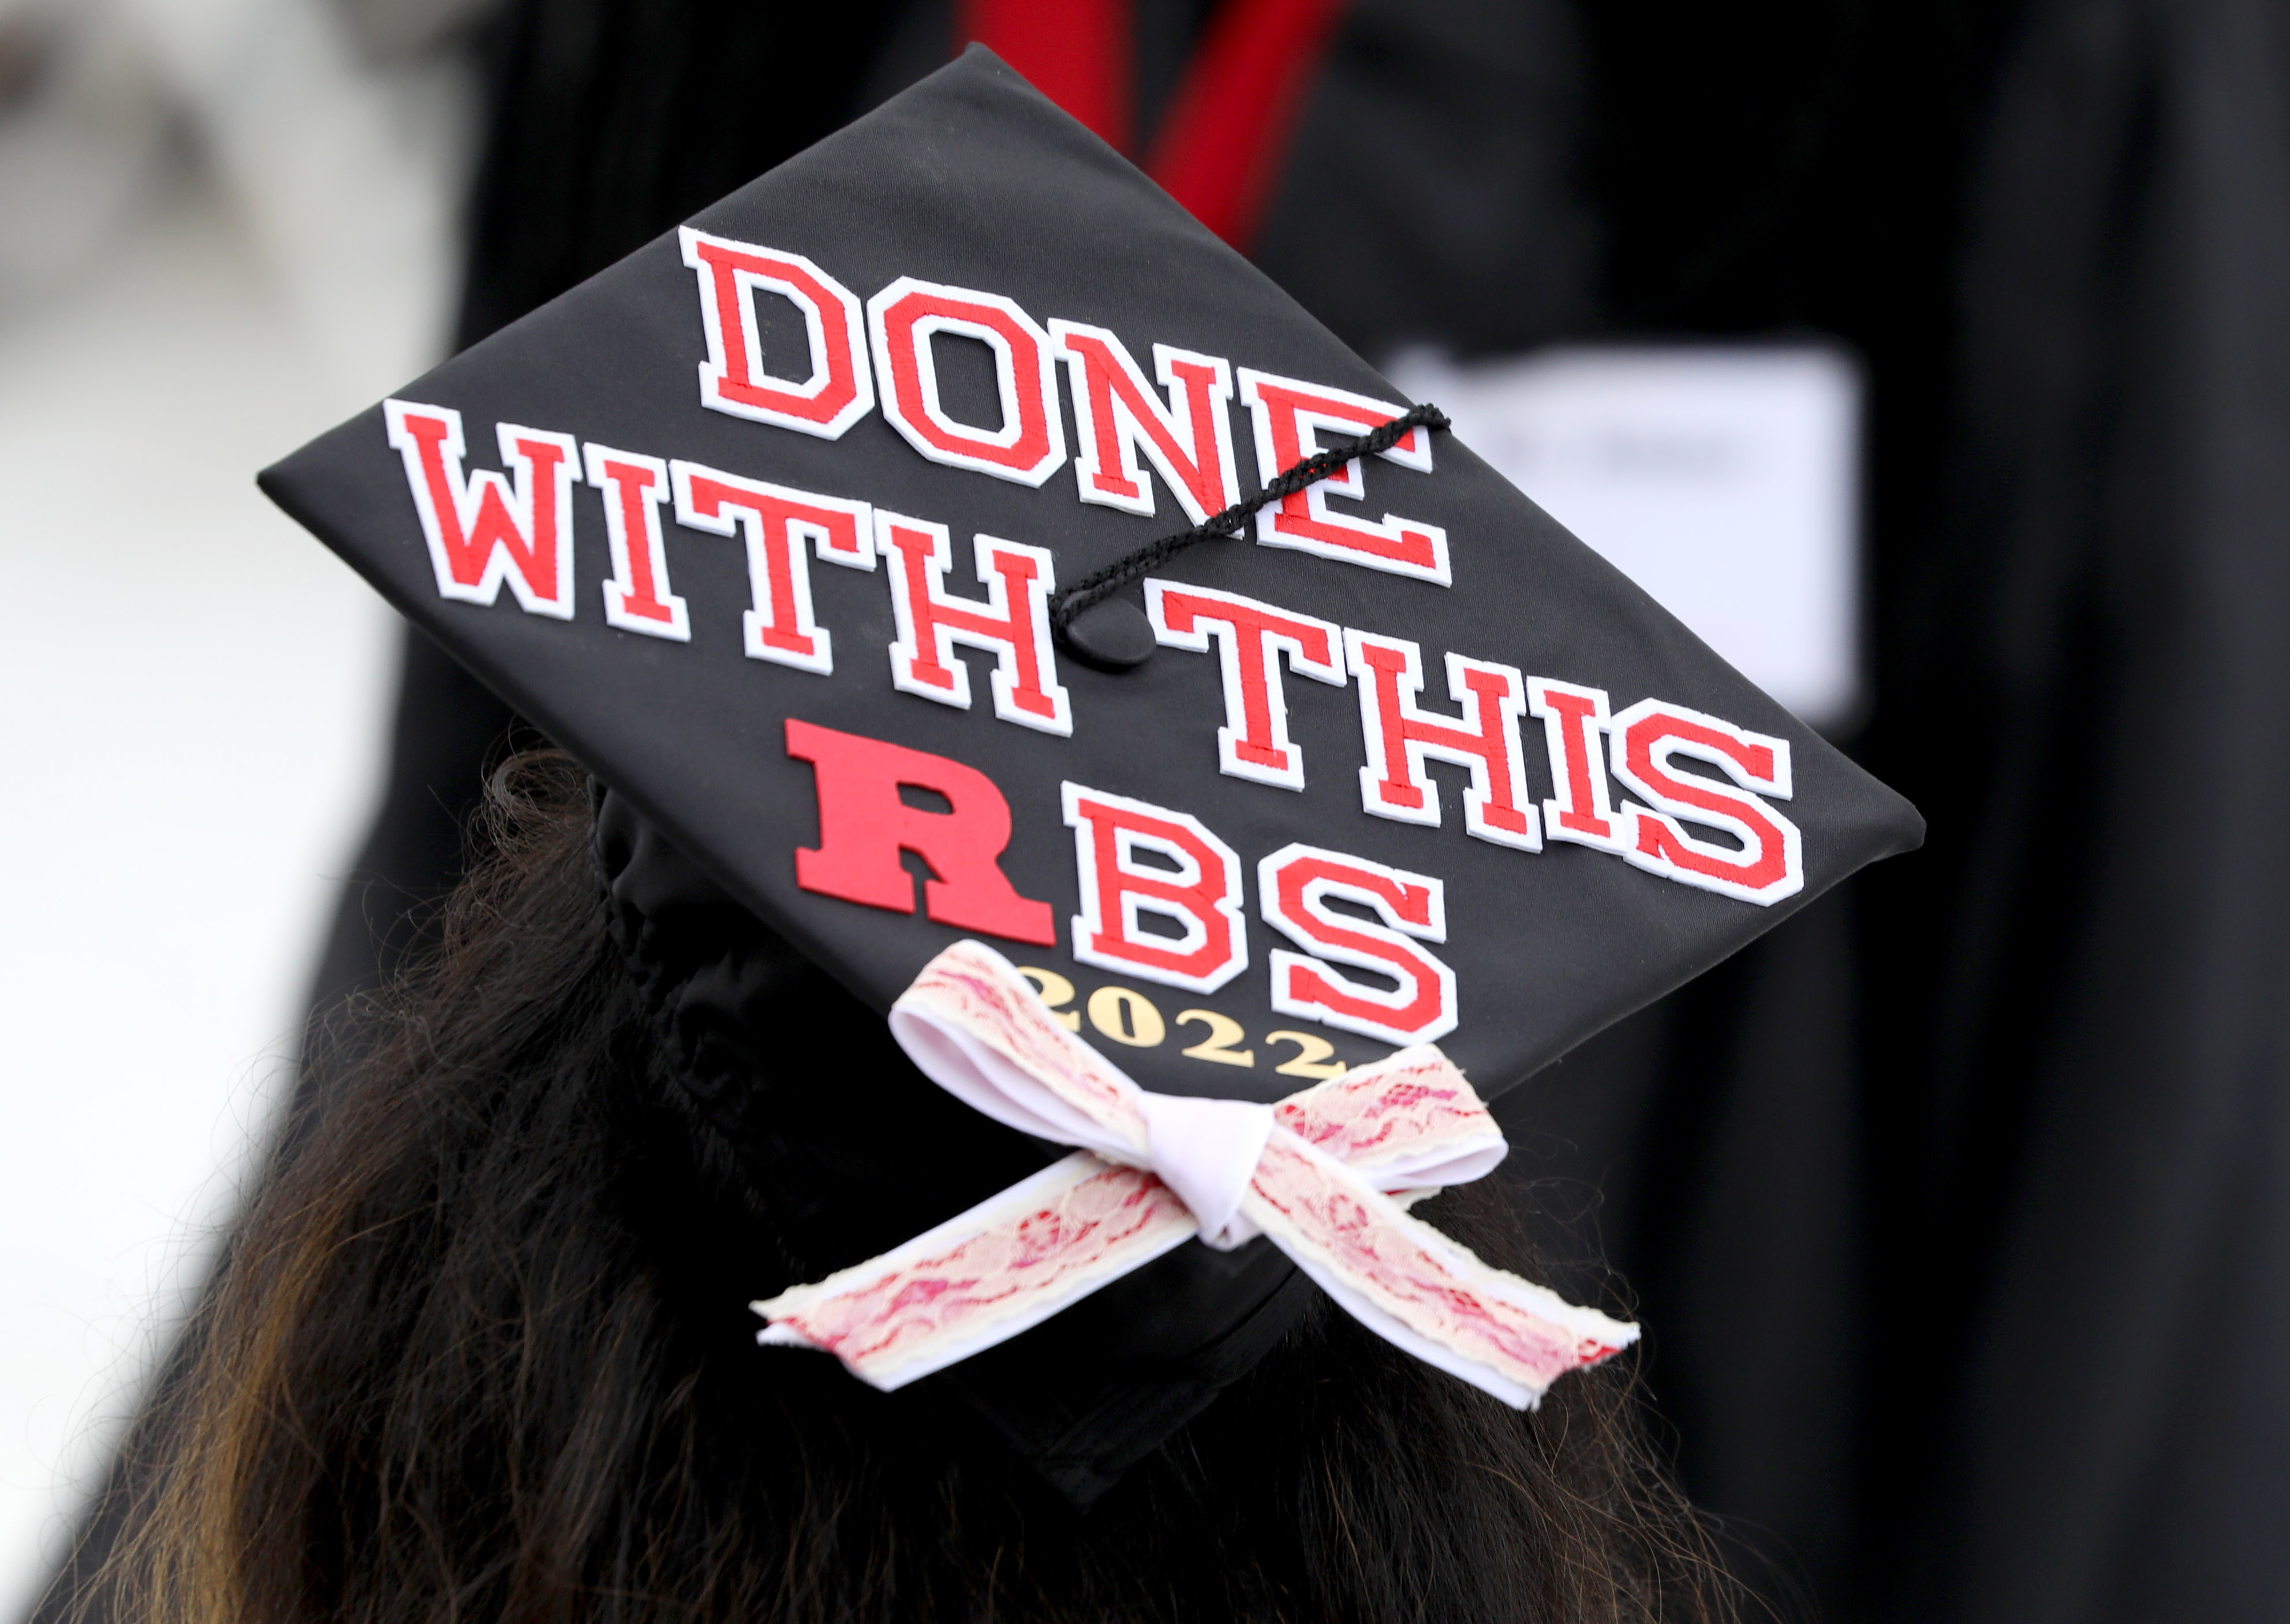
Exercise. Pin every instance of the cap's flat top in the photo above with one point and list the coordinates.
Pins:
(973, 182)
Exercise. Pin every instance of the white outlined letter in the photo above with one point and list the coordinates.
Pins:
(1288, 417)
(1118, 413)
(1031, 444)
(1012, 623)
(1769, 864)
(1251, 638)
(838, 393)
(1292, 886)
(636, 598)
(1399, 737)
(1574, 718)
(481, 529)
(1195, 886)
(776, 522)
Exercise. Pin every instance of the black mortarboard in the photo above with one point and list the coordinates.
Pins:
(768, 525)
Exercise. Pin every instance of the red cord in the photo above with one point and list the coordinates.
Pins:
(1079, 53)
(1227, 135)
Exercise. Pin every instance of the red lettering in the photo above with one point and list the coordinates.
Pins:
(1573, 721)
(1292, 886)
(1013, 623)
(863, 825)
(1193, 885)
(636, 598)
(1190, 441)
(838, 391)
(776, 522)
(1030, 444)
(1768, 864)
(1251, 636)
(481, 529)
(1400, 738)
(1288, 417)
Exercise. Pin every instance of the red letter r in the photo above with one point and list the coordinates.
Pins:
(863, 825)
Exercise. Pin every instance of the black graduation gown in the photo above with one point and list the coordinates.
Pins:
(2107, 1192)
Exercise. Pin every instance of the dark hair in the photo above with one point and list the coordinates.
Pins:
(480, 1351)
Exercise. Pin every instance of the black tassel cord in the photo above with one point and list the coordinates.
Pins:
(1094, 588)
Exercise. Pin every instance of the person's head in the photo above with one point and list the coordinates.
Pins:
(482, 1350)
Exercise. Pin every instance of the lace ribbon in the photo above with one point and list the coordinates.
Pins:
(1326, 1173)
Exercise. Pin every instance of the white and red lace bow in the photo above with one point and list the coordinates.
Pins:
(1318, 1173)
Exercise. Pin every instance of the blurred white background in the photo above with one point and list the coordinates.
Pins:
(1723, 479)
(224, 225)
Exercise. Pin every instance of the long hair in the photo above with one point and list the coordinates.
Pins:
(480, 1352)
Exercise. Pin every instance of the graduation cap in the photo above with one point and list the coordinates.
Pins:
(987, 601)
